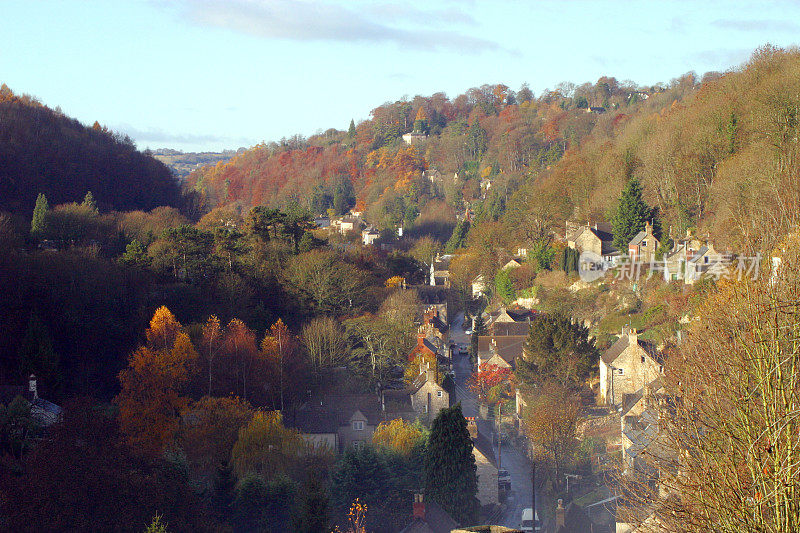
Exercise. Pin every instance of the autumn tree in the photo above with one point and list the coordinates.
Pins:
(327, 284)
(491, 384)
(212, 336)
(399, 436)
(209, 430)
(551, 425)
(450, 472)
(265, 447)
(150, 399)
(724, 457)
(325, 342)
(425, 250)
(240, 347)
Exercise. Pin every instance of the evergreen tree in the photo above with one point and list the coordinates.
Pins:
(451, 478)
(39, 221)
(36, 355)
(631, 214)
(89, 203)
(478, 330)
(313, 514)
(557, 348)
(351, 131)
(459, 237)
(504, 286)
(477, 141)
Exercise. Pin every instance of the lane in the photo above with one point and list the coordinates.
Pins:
(513, 460)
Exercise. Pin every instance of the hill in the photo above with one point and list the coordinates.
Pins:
(183, 163)
(717, 154)
(41, 150)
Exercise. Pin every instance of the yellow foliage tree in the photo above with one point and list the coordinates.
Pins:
(395, 281)
(265, 446)
(398, 436)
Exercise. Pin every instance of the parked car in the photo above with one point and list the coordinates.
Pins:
(530, 522)
(503, 476)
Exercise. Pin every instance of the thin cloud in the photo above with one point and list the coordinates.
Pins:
(426, 17)
(302, 20)
(756, 25)
(157, 135)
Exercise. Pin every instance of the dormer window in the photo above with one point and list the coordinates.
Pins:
(358, 425)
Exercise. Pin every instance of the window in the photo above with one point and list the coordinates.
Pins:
(620, 371)
(438, 394)
(644, 244)
(358, 425)
(357, 444)
(425, 408)
(642, 359)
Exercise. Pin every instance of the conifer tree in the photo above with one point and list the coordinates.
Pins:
(88, 202)
(631, 215)
(459, 237)
(39, 221)
(351, 131)
(451, 478)
(314, 513)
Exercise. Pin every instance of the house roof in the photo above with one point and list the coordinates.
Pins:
(509, 347)
(484, 446)
(637, 240)
(504, 329)
(623, 342)
(436, 521)
(327, 414)
(439, 324)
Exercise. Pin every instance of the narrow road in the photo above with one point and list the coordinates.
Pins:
(517, 464)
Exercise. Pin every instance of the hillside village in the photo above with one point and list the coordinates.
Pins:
(502, 312)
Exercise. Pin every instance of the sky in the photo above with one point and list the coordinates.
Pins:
(205, 75)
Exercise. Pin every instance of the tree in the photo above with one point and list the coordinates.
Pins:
(450, 472)
(327, 284)
(557, 348)
(210, 429)
(150, 397)
(135, 254)
(478, 331)
(631, 215)
(325, 342)
(459, 237)
(240, 345)
(728, 430)
(17, 427)
(491, 384)
(39, 221)
(425, 250)
(551, 425)
(156, 526)
(504, 286)
(89, 203)
(212, 335)
(421, 121)
(37, 356)
(351, 131)
(313, 514)
(477, 139)
(265, 447)
(264, 222)
(398, 436)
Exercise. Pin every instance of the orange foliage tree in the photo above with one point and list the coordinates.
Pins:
(150, 397)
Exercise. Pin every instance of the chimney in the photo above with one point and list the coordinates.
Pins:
(32, 387)
(472, 427)
(418, 507)
(633, 335)
(560, 514)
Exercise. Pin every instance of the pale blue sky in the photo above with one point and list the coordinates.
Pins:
(209, 75)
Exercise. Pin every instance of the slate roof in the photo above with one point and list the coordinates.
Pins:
(618, 347)
(327, 414)
(504, 329)
(484, 446)
(509, 347)
(436, 521)
(637, 240)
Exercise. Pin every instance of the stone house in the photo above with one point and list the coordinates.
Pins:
(414, 137)
(482, 450)
(588, 238)
(428, 397)
(339, 421)
(479, 286)
(639, 421)
(644, 245)
(627, 366)
(500, 351)
(440, 271)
